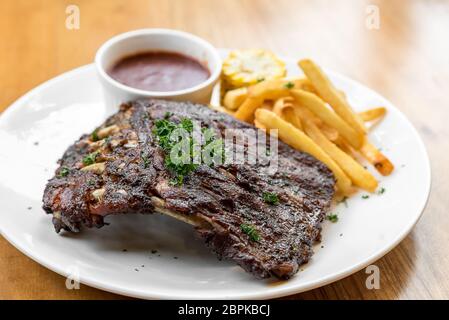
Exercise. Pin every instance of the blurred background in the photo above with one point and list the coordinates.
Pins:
(399, 48)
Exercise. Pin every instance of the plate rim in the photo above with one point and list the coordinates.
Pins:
(270, 293)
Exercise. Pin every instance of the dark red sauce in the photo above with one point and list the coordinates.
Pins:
(159, 71)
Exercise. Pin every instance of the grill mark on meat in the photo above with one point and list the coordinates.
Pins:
(215, 200)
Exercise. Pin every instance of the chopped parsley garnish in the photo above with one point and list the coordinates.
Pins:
(208, 135)
(107, 140)
(164, 130)
(381, 190)
(167, 115)
(250, 231)
(260, 79)
(64, 172)
(187, 125)
(289, 85)
(90, 158)
(332, 218)
(213, 148)
(177, 181)
(365, 196)
(94, 136)
(181, 169)
(145, 160)
(271, 198)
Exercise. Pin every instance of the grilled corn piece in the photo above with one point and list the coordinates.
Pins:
(246, 67)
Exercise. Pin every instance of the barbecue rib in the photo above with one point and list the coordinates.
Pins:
(128, 175)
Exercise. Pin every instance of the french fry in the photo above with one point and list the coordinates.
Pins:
(319, 108)
(359, 176)
(343, 145)
(246, 110)
(329, 132)
(305, 114)
(221, 109)
(308, 86)
(373, 114)
(376, 158)
(284, 108)
(300, 141)
(259, 125)
(292, 117)
(267, 104)
(233, 99)
(331, 95)
(302, 84)
(269, 89)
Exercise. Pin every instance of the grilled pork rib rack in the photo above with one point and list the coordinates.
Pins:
(120, 169)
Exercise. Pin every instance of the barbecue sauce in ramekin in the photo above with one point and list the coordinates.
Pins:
(159, 71)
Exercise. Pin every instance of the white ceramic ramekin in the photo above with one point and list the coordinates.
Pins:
(155, 40)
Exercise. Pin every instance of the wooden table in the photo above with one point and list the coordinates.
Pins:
(406, 60)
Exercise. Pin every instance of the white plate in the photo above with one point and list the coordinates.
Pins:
(57, 112)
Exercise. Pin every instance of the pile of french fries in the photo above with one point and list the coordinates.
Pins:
(313, 116)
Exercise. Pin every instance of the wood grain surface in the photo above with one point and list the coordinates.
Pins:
(406, 60)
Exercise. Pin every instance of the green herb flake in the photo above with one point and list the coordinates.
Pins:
(107, 141)
(381, 190)
(250, 231)
(208, 135)
(332, 218)
(167, 115)
(289, 85)
(90, 158)
(365, 196)
(187, 125)
(270, 198)
(163, 129)
(146, 161)
(94, 136)
(64, 172)
(260, 79)
(177, 181)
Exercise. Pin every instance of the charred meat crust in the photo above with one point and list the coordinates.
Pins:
(216, 200)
